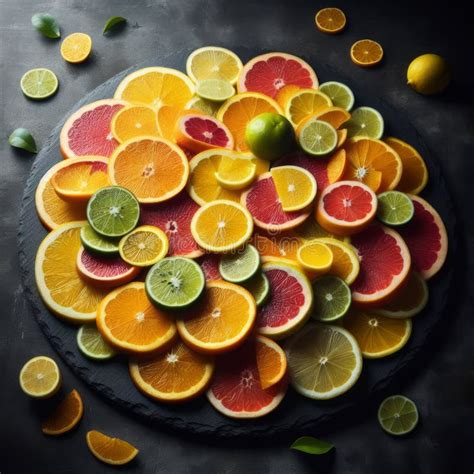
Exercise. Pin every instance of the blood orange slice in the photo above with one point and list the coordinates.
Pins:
(88, 131)
(262, 201)
(174, 218)
(210, 266)
(268, 73)
(426, 238)
(346, 207)
(236, 388)
(384, 264)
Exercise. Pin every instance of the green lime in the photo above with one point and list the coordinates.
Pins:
(39, 83)
(113, 211)
(240, 265)
(94, 242)
(269, 136)
(394, 208)
(203, 105)
(398, 415)
(175, 282)
(215, 90)
(340, 94)
(92, 344)
(259, 286)
(332, 298)
(317, 137)
(365, 122)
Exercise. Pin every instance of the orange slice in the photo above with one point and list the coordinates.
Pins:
(271, 361)
(335, 116)
(177, 375)
(76, 47)
(366, 53)
(128, 320)
(283, 247)
(330, 20)
(110, 450)
(284, 94)
(305, 103)
(222, 321)
(153, 169)
(134, 121)
(66, 415)
(167, 117)
(341, 137)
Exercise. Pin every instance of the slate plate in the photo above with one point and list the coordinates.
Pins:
(296, 414)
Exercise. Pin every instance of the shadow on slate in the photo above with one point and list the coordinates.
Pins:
(296, 415)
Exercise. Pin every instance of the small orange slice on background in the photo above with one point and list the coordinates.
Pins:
(330, 20)
(177, 375)
(271, 362)
(135, 121)
(110, 450)
(129, 321)
(153, 169)
(222, 321)
(366, 53)
(65, 416)
(76, 47)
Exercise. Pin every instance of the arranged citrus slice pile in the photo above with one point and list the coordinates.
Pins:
(198, 218)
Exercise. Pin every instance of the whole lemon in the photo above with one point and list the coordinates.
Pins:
(428, 74)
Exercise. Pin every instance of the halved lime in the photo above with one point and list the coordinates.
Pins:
(365, 122)
(259, 287)
(95, 243)
(394, 208)
(215, 90)
(332, 298)
(240, 265)
(339, 93)
(113, 211)
(175, 282)
(398, 415)
(203, 105)
(39, 83)
(317, 137)
(92, 344)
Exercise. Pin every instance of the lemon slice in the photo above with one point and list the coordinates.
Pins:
(235, 173)
(40, 377)
(315, 256)
(215, 90)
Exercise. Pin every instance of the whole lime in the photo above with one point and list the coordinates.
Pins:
(428, 74)
(269, 136)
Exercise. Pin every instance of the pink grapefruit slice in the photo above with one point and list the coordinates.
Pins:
(384, 265)
(210, 266)
(262, 201)
(426, 238)
(88, 131)
(268, 73)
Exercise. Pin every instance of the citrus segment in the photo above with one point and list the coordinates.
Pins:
(134, 121)
(317, 137)
(202, 105)
(39, 83)
(332, 298)
(259, 287)
(330, 20)
(394, 208)
(339, 93)
(76, 47)
(215, 90)
(398, 415)
(167, 117)
(345, 263)
(65, 416)
(236, 173)
(315, 256)
(110, 450)
(284, 94)
(335, 116)
(241, 265)
(305, 103)
(210, 266)
(311, 230)
(96, 243)
(40, 377)
(365, 122)
(271, 362)
(366, 53)
(144, 246)
(92, 344)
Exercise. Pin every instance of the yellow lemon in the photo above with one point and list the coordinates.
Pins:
(428, 74)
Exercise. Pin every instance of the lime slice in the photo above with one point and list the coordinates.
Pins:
(206, 106)
(332, 298)
(92, 344)
(398, 415)
(394, 208)
(259, 287)
(240, 265)
(113, 211)
(317, 137)
(340, 94)
(175, 282)
(215, 90)
(94, 242)
(365, 122)
(39, 83)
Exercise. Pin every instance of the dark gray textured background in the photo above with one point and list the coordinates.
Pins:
(443, 388)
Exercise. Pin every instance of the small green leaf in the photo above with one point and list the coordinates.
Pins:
(22, 138)
(46, 24)
(310, 445)
(112, 22)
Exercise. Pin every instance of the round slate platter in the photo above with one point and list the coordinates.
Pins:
(296, 413)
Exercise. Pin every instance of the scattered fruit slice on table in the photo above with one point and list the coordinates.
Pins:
(76, 47)
(95, 243)
(215, 90)
(335, 116)
(57, 278)
(315, 256)
(259, 287)
(129, 321)
(222, 320)
(144, 246)
(415, 174)
(271, 362)
(175, 282)
(205, 106)
(65, 416)
(134, 121)
(236, 173)
(311, 230)
(365, 122)
(88, 131)
(174, 376)
(210, 266)
(270, 72)
(305, 103)
(154, 169)
(398, 415)
(394, 208)
(324, 361)
(317, 138)
(346, 207)
(366, 53)
(332, 298)
(377, 336)
(384, 264)
(330, 20)
(236, 389)
(109, 450)
(241, 265)
(345, 263)
(92, 344)
(40, 377)
(221, 226)
(426, 238)
(289, 303)
(39, 83)
(156, 86)
(339, 93)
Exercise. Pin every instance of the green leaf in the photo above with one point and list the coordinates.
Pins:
(22, 138)
(310, 445)
(112, 22)
(46, 24)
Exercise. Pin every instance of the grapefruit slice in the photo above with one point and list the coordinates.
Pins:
(262, 201)
(89, 130)
(426, 238)
(210, 266)
(384, 265)
(236, 389)
(268, 73)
